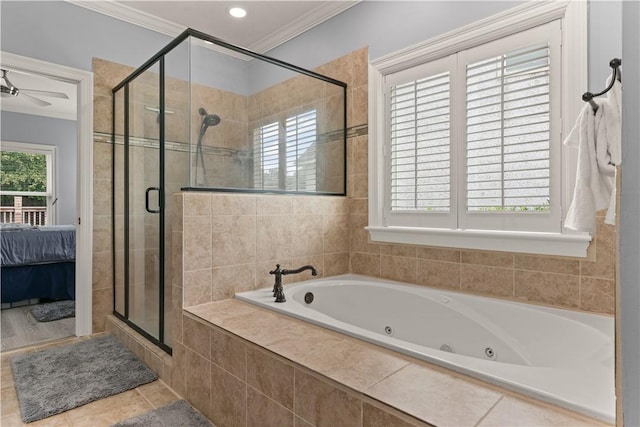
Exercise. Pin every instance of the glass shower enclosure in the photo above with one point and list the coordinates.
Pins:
(204, 115)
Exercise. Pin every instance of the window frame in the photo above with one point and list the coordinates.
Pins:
(49, 151)
(573, 16)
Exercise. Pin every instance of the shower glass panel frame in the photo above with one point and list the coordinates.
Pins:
(175, 122)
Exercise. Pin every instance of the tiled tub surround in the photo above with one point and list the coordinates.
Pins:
(250, 367)
(564, 357)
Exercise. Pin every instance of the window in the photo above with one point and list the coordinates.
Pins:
(26, 177)
(468, 145)
(284, 154)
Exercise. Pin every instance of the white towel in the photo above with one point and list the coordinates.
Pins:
(597, 137)
(592, 190)
(613, 123)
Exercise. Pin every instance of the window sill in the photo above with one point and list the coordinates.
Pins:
(574, 245)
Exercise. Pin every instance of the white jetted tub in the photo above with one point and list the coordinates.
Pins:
(560, 356)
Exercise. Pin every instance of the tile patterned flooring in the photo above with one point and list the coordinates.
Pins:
(101, 413)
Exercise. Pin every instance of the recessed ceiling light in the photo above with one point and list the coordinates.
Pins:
(237, 12)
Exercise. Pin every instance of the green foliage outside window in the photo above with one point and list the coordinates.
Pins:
(23, 172)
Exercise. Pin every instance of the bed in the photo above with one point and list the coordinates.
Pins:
(37, 262)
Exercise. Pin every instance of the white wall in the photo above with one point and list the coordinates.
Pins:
(61, 133)
(630, 215)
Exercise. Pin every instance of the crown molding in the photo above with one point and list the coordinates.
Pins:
(324, 12)
(133, 16)
(296, 27)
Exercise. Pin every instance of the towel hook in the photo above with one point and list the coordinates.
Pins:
(615, 63)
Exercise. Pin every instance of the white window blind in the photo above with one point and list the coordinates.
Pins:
(420, 145)
(266, 156)
(508, 132)
(301, 137)
(284, 154)
(471, 137)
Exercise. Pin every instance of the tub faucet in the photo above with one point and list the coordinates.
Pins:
(278, 290)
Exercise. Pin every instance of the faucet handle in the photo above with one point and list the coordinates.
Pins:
(277, 270)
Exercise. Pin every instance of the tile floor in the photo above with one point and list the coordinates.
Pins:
(101, 413)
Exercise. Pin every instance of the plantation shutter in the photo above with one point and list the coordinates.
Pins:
(420, 145)
(301, 138)
(266, 157)
(508, 132)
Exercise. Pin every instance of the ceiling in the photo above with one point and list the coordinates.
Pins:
(267, 25)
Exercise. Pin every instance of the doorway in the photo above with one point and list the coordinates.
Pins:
(83, 221)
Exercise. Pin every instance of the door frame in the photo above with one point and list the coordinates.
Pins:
(84, 208)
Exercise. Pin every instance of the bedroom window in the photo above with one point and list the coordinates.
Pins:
(467, 142)
(27, 185)
(284, 154)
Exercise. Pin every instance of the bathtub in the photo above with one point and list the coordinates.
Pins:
(559, 356)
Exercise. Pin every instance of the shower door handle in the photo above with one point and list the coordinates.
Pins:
(146, 199)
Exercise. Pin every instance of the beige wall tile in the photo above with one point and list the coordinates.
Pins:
(360, 237)
(262, 411)
(494, 259)
(367, 264)
(439, 274)
(197, 338)
(233, 204)
(359, 206)
(439, 254)
(307, 235)
(324, 405)
(197, 382)
(229, 353)
(406, 251)
(197, 243)
(335, 229)
(299, 422)
(274, 205)
(486, 280)
(196, 204)
(229, 402)
(359, 104)
(548, 288)
(273, 237)
(398, 268)
(597, 295)
(102, 270)
(233, 240)
(197, 287)
(270, 375)
(226, 281)
(101, 197)
(376, 417)
(336, 263)
(307, 205)
(102, 306)
(547, 263)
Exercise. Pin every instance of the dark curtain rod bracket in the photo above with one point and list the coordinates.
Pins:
(615, 63)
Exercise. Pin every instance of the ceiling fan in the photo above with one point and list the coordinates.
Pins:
(8, 89)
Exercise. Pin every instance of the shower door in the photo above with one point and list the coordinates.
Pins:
(139, 206)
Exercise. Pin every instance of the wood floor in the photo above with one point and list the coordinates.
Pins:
(21, 329)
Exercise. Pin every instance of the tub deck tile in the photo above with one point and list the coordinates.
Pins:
(438, 398)
(514, 412)
(396, 380)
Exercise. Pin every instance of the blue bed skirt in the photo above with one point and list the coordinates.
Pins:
(55, 281)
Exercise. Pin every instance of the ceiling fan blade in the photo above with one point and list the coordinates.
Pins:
(46, 93)
(35, 100)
